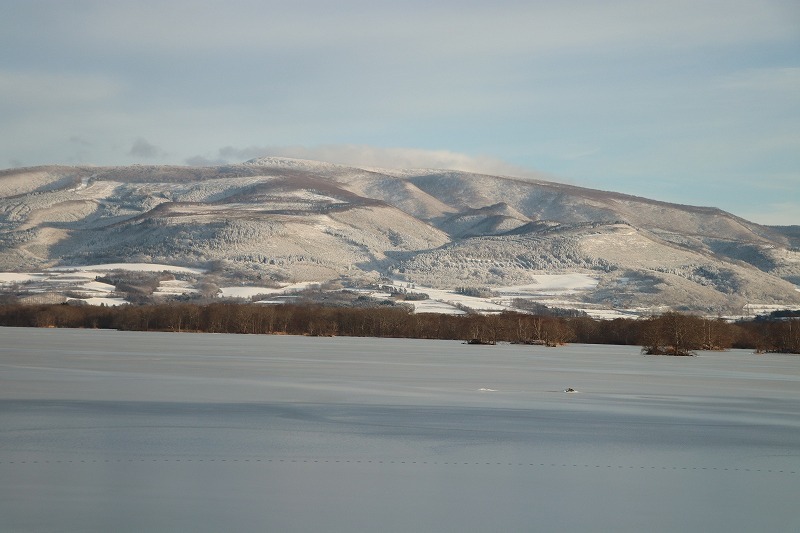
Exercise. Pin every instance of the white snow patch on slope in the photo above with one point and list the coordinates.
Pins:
(447, 301)
(433, 306)
(137, 267)
(83, 184)
(453, 299)
(97, 286)
(71, 276)
(753, 309)
(18, 277)
(550, 284)
(249, 292)
(100, 301)
(608, 314)
(175, 287)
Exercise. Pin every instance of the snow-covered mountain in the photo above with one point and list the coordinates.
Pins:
(288, 220)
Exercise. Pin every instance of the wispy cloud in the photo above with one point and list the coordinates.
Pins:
(373, 156)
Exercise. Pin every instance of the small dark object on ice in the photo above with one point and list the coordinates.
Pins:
(570, 389)
(482, 342)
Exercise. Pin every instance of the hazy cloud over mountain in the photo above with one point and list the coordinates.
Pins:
(371, 156)
(144, 150)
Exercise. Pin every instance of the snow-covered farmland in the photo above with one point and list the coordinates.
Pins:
(550, 285)
(96, 300)
(544, 286)
(80, 282)
(562, 290)
(136, 267)
(97, 287)
(175, 287)
(10, 278)
(248, 292)
(434, 306)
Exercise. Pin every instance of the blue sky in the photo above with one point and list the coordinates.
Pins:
(695, 102)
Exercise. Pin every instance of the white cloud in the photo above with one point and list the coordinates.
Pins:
(373, 156)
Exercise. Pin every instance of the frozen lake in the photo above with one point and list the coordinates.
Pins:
(123, 431)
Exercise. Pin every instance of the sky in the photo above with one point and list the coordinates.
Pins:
(695, 102)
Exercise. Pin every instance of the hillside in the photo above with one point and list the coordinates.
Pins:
(276, 221)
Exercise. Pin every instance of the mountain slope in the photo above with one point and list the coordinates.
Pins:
(293, 220)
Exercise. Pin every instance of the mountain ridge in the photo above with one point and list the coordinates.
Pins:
(292, 220)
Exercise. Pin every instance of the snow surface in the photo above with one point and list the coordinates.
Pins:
(434, 306)
(752, 309)
(125, 431)
(97, 300)
(97, 286)
(135, 267)
(175, 287)
(451, 298)
(546, 285)
(248, 292)
(553, 290)
(551, 284)
(72, 276)
(18, 277)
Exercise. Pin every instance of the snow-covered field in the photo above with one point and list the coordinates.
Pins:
(99, 300)
(8, 278)
(761, 309)
(548, 289)
(124, 431)
(247, 292)
(435, 306)
(453, 299)
(137, 267)
(553, 290)
(175, 287)
(81, 280)
(550, 285)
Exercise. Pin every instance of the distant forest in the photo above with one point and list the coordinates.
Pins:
(670, 333)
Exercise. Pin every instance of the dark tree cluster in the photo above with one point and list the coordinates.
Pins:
(679, 334)
(670, 333)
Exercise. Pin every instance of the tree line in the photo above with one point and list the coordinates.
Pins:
(670, 333)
